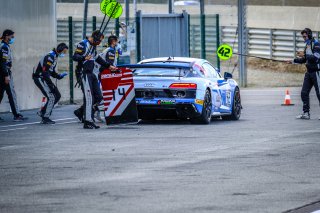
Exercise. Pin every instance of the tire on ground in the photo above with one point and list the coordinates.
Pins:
(205, 116)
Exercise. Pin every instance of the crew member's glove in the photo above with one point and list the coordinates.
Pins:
(118, 49)
(62, 75)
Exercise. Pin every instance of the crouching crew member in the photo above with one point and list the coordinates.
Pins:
(311, 57)
(6, 80)
(86, 54)
(41, 76)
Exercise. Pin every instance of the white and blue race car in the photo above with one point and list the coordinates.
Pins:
(185, 88)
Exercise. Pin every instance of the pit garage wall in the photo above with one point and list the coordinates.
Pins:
(34, 24)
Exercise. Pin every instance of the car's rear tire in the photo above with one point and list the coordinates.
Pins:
(206, 113)
(236, 107)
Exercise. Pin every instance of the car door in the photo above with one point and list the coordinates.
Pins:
(215, 90)
(224, 89)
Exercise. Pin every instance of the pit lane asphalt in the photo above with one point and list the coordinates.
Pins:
(265, 162)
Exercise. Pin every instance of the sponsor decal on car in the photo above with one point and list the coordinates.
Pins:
(112, 75)
(147, 102)
(166, 102)
(149, 85)
(198, 101)
(228, 98)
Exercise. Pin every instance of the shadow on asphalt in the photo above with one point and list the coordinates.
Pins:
(214, 121)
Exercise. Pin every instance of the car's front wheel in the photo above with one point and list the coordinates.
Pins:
(205, 116)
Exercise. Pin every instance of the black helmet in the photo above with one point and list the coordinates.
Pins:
(111, 39)
(307, 31)
(61, 47)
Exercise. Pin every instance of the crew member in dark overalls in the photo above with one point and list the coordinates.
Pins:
(86, 55)
(311, 57)
(6, 79)
(47, 68)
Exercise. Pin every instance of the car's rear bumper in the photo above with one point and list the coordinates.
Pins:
(168, 108)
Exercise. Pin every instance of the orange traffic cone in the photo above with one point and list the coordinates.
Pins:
(287, 99)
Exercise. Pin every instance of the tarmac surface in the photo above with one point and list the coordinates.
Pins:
(266, 162)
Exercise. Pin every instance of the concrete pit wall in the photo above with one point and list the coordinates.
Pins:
(34, 24)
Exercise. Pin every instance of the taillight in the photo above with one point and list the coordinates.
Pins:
(183, 86)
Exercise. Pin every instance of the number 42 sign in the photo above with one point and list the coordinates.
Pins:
(224, 52)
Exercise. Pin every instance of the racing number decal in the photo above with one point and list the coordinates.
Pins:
(224, 52)
(228, 98)
(121, 91)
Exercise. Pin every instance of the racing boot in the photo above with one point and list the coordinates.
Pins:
(19, 118)
(304, 116)
(96, 112)
(47, 121)
(79, 114)
(97, 116)
(40, 114)
(90, 125)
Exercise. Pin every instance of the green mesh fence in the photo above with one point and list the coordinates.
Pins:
(211, 38)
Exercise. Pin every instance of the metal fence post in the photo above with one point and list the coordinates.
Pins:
(189, 32)
(218, 38)
(170, 6)
(85, 14)
(186, 20)
(117, 26)
(70, 24)
(94, 23)
(203, 35)
(138, 35)
(294, 44)
(271, 43)
(127, 12)
(242, 41)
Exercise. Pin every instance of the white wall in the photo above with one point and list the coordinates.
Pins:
(276, 17)
(34, 24)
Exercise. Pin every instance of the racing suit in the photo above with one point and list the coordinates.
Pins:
(41, 75)
(312, 76)
(81, 50)
(90, 85)
(110, 55)
(6, 64)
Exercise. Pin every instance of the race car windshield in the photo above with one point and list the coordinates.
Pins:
(161, 72)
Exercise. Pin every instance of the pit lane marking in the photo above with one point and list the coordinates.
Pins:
(7, 130)
(68, 122)
(32, 123)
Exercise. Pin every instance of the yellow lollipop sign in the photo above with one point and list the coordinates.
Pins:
(224, 52)
(114, 10)
(104, 4)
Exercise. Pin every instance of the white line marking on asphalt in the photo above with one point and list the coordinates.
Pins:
(9, 147)
(22, 124)
(69, 122)
(7, 130)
